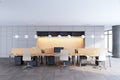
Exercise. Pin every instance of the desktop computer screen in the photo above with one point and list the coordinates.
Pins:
(57, 49)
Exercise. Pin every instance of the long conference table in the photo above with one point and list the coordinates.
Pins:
(93, 52)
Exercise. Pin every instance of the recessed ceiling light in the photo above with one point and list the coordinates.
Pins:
(92, 36)
(16, 36)
(35, 36)
(26, 36)
(59, 36)
(83, 36)
(69, 36)
(49, 36)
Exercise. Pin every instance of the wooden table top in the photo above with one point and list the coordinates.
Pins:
(37, 52)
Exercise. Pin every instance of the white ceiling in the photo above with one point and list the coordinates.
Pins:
(60, 12)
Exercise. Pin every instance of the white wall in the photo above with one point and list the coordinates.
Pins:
(7, 33)
(60, 12)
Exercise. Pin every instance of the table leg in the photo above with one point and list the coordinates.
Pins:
(96, 61)
(109, 61)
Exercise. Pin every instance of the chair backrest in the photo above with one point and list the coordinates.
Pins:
(26, 55)
(64, 55)
(70, 50)
(102, 55)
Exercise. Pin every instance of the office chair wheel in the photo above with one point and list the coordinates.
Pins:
(28, 67)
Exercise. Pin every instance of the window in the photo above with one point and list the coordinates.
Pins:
(108, 40)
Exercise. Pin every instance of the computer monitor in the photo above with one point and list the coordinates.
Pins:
(57, 49)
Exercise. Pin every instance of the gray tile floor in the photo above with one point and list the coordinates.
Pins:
(8, 71)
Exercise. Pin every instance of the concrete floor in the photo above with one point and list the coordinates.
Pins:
(8, 71)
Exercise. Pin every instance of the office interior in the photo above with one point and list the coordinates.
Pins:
(55, 42)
